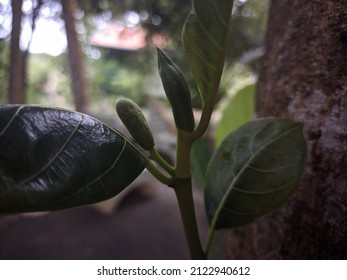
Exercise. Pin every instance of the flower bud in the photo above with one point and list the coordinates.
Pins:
(177, 92)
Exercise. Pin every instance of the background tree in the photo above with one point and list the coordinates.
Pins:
(165, 17)
(154, 15)
(19, 52)
(16, 77)
(78, 78)
(304, 78)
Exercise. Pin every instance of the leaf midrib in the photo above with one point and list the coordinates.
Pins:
(220, 61)
(10, 121)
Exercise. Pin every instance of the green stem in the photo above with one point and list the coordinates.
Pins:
(159, 175)
(183, 190)
(162, 162)
(205, 117)
(183, 149)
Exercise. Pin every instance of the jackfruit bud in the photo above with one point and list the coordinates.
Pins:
(134, 120)
(177, 92)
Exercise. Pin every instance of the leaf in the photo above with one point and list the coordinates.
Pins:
(53, 159)
(239, 110)
(204, 40)
(254, 171)
(200, 157)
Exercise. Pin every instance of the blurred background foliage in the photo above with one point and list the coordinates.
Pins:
(112, 71)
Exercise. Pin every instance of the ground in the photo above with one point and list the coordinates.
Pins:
(143, 224)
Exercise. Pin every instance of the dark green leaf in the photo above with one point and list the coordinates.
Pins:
(200, 156)
(239, 110)
(254, 171)
(53, 159)
(204, 40)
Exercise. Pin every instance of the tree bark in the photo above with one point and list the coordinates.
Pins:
(304, 77)
(78, 78)
(16, 93)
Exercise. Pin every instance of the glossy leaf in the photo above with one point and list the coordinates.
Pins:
(204, 39)
(239, 110)
(53, 159)
(254, 171)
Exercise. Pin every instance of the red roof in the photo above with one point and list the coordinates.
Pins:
(117, 36)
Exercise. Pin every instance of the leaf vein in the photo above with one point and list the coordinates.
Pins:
(108, 170)
(219, 16)
(263, 192)
(270, 170)
(11, 120)
(198, 53)
(232, 185)
(55, 156)
(208, 34)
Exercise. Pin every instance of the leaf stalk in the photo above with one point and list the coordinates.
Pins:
(162, 162)
(166, 180)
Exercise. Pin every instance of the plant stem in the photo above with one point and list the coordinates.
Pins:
(159, 175)
(207, 111)
(184, 145)
(162, 162)
(183, 190)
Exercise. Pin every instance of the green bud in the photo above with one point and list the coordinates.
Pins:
(134, 120)
(177, 92)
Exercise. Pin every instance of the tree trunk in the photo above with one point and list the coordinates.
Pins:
(304, 77)
(16, 93)
(78, 78)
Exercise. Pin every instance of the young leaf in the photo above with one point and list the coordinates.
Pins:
(204, 40)
(53, 159)
(254, 171)
(239, 110)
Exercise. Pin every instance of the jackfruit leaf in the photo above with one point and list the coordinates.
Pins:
(200, 156)
(204, 39)
(53, 159)
(239, 110)
(254, 171)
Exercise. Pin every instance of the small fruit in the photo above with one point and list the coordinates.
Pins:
(134, 120)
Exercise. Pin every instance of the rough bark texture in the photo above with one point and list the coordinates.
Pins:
(78, 78)
(17, 71)
(304, 77)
